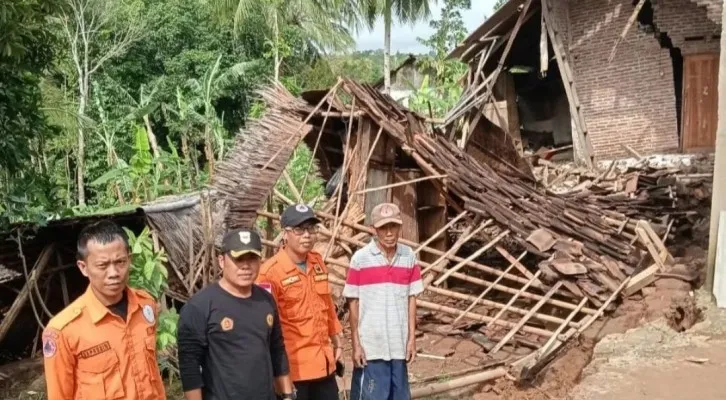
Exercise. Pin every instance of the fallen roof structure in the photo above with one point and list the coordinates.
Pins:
(528, 264)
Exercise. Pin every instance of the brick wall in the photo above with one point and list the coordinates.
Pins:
(631, 100)
(681, 19)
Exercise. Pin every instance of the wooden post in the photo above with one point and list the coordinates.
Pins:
(25, 293)
(468, 380)
(718, 199)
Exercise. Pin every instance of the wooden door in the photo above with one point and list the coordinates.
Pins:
(700, 102)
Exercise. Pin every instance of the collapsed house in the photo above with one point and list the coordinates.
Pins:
(609, 78)
(499, 254)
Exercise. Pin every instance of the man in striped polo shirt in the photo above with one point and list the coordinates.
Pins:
(383, 279)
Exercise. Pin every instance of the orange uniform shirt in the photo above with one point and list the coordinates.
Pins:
(92, 354)
(307, 313)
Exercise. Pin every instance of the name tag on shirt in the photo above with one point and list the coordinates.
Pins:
(290, 280)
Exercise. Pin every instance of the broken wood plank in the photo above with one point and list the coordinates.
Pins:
(526, 318)
(472, 257)
(630, 22)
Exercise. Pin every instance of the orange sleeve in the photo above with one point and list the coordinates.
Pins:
(60, 366)
(267, 281)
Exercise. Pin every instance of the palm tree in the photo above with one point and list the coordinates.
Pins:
(324, 24)
(406, 11)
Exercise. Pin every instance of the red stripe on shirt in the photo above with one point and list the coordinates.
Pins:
(383, 274)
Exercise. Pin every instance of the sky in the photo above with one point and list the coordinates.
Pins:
(403, 38)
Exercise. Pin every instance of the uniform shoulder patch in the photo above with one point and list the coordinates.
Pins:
(149, 314)
(50, 342)
(65, 317)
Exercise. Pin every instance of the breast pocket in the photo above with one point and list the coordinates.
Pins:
(323, 290)
(99, 377)
(293, 304)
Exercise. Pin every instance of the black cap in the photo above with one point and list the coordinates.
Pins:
(240, 242)
(297, 215)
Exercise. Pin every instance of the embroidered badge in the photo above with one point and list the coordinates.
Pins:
(321, 277)
(270, 320)
(318, 269)
(386, 211)
(95, 350)
(290, 280)
(148, 314)
(49, 347)
(244, 237)
(301, 208)
(227, 324)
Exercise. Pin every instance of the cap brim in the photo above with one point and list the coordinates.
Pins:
(240, 253)
(385, 221)
(302, 221)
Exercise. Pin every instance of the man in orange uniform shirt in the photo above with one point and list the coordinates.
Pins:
(103, 345)
(298, 279)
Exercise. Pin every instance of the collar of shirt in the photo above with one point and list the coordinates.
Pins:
(376, 251)
(97, 310)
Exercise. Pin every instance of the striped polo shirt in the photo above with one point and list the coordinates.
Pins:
(383, 289)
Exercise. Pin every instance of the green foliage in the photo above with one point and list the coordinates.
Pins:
(441, 89)
(147, 270)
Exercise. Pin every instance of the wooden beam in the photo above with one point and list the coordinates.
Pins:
(624, 33)
(20, 300)
(393, 185)
(474, 255)
(464, 381)
(525, 318)
(544, 59)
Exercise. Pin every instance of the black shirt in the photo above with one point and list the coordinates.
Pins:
(121, 308)
(231, 347)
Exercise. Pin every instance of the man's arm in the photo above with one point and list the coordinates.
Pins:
(415, 288)
(192, 345)
(60, 366)
(278, 355)
(351, 291)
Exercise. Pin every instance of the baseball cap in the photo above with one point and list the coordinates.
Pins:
(296, 215)
(240, 242)
(384, 214)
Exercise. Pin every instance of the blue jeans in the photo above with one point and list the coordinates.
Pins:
(381, 380)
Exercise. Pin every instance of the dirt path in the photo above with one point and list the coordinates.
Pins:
(655, 362)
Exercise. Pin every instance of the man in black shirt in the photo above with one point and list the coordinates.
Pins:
(229, 337)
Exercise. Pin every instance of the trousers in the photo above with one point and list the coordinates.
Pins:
(381, 380)
(317, 389)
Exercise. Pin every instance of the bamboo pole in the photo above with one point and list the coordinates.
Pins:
(440, 232)
(292, 187)
(468, 380)
(331, 92)
(630, 22)
(490, 303)
(471, 257)
(480, 318)
(393, 185)
(26, 292)
(315, 149)
(462, 240)
(525, 318)
(487, 290)
(545, 349)
(516, 296)
(339, 189)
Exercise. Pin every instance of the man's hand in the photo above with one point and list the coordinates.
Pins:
(411, 350)
(359, 357)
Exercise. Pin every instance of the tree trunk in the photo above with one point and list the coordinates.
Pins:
(718, 199)
(277, 48)
(81, 143)
(387, 48)
(152, 138)
(209, 152)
